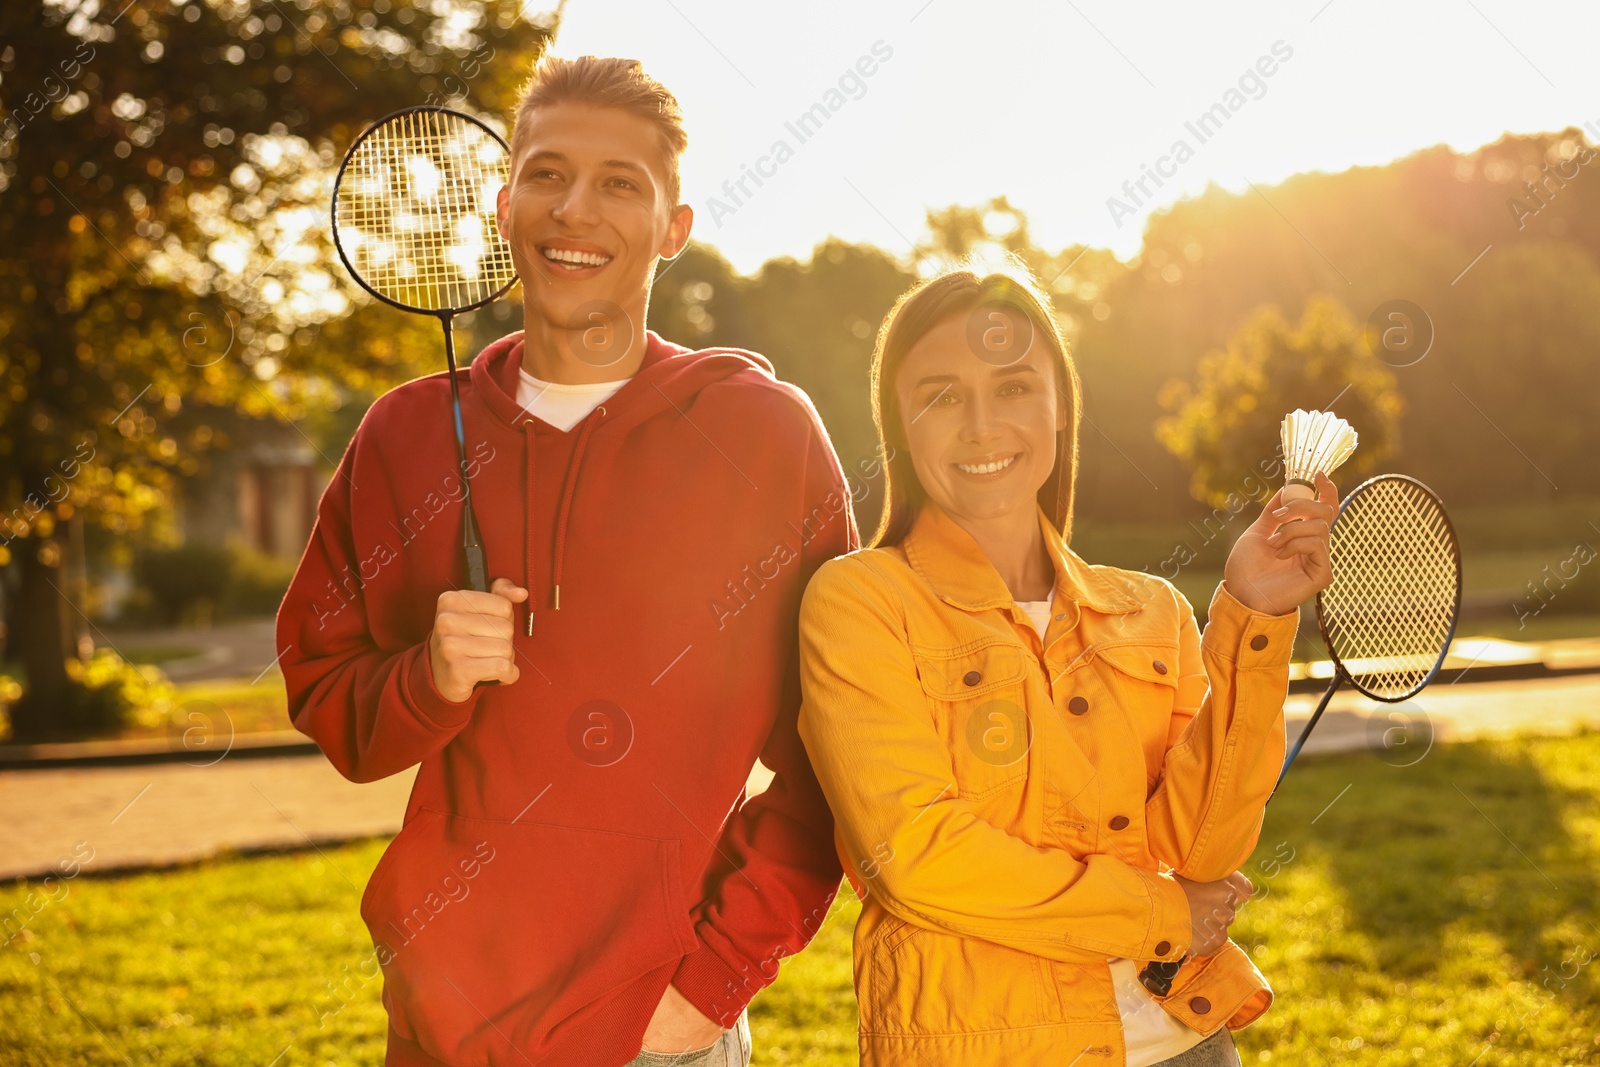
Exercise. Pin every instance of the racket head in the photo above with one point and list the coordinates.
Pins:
(414, 211)
(1391, 611)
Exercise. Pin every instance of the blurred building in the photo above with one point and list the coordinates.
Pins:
(261, 494)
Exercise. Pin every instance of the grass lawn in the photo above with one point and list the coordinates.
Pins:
(1427, 914)
(159, 654)
(249, 705)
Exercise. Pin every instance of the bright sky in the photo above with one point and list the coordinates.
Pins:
(1057, 105)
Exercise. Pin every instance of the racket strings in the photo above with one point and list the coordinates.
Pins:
(1391, 608)
(415, 212)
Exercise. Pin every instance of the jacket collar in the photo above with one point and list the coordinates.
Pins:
(953, 564)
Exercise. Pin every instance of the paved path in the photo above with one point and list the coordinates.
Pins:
(174, 812)
(165, 813)
(1546, 707)
(230, 650)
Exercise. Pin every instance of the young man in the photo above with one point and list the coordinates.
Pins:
(581, 879)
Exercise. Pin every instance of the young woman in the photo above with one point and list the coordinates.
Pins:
(1043, 776)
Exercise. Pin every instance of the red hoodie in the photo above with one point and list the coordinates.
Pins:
(580, 838)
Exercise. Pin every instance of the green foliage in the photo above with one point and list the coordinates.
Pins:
(197, 141)
(256, 583)
(104, 696)
(1227, 427)
(196, 583)
(10, 692)
(180, 579)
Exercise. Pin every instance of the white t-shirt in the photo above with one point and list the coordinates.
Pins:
(562, 406)
(1149, 1032)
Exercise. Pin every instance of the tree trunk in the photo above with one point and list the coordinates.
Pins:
(75, 589)
(37, 642)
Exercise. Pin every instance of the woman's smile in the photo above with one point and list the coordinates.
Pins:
(989, 469)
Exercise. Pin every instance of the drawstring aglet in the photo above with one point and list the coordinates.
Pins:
(555, 598)
(530, 622)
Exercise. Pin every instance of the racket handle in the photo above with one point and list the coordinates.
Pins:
(1157, 975)
(477, 573)
(477, 567)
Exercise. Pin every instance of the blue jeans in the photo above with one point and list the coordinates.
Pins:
(732, 1049)
(1215, 1051)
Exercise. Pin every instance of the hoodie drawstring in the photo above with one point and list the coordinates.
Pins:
(527, 521)
(569, 486)
(567, 489)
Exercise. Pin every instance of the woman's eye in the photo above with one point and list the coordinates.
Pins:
(1014, 387)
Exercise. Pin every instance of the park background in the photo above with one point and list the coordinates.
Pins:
(183, 361)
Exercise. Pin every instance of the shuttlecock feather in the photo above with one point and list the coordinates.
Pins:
(1313, 441)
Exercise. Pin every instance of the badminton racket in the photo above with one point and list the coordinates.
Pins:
(1389, 614)
(414, 223)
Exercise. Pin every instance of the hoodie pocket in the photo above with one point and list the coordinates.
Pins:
(491, 933)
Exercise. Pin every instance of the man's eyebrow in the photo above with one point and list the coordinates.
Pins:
(550, 154)
(999, 372)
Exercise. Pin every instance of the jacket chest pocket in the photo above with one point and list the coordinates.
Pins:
(978, 698)
(1142, 679)
(1144, 669)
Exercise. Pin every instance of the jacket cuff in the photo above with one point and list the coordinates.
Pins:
(424, 697)
(1225, 989)
(1252, 639)
(713, 988)
(1171, 927)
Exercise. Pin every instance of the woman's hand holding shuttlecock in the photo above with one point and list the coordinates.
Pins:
(1282, 559)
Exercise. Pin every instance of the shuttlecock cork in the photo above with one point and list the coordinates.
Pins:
(1313, 441)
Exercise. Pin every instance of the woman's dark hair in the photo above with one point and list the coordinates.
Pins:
(962, 290)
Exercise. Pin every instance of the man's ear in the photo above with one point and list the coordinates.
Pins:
(677, 238)
(502, 206)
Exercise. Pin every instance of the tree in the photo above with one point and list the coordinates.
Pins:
(961, 230)
(1225, 426)
(164, 174)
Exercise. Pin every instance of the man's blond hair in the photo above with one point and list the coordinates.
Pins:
(607, 82)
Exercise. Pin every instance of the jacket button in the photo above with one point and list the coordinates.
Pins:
(1061, 618)
(972, 678)
(1078, 706)
(1119, 822)
(1200, 1004)
(1163, 947)
(1258, 642)
(1161, 668)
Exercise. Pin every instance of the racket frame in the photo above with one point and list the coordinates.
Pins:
(1342, 674)
(350, 153)
(471, 539)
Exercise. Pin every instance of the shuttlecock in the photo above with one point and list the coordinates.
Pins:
(1313, 441)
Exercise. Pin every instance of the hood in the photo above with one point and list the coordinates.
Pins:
(669, 375)
(667, 380)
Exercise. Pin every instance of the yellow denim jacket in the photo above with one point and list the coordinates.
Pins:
(1011, 810)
